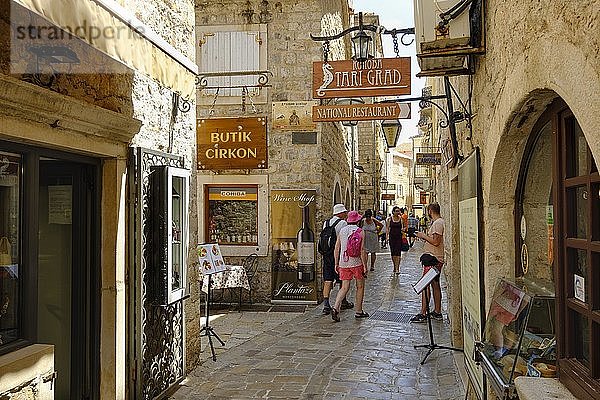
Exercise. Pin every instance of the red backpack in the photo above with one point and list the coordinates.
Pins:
(354, 246)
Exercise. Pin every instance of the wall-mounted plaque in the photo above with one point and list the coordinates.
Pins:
(293, 116)
(232, 143)
(349, 78)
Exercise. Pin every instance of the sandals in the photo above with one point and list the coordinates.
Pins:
(361, 314)
(346, 305)
(335, 315)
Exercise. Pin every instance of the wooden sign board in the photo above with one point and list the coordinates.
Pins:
(349, 78)
(388, 196)
(429, 158)
(232, 143)
(361, 112)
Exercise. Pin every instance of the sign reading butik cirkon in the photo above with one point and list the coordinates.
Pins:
(349, 78)
(232, 143)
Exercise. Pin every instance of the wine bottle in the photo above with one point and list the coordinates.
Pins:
(306, 249)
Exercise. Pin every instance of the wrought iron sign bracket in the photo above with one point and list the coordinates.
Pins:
(373, 28)
(451, 117)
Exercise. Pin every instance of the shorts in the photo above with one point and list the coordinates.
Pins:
(329, 274)
(346, 274)
(438, 266)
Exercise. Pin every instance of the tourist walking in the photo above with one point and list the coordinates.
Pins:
(382, 232)
(370, 227)
(351, 263)
(394, 237)
(413, 227)
(329, 234)
(433, 257)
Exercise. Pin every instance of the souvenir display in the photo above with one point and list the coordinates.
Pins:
(518, 338)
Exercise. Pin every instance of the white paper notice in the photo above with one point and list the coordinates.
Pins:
(579, 286)
(60, 207)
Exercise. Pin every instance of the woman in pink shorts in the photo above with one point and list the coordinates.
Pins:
(350, 267)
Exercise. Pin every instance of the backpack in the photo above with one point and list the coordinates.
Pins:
(354, 245)
(327, 239)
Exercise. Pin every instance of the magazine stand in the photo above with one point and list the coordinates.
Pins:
(424, 284)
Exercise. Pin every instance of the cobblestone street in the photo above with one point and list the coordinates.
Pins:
(307, 356)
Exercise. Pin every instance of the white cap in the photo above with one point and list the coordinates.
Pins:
(338, 209)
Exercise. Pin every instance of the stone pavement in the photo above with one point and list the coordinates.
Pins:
(308, 356)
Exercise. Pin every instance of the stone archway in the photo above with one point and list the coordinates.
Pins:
(534, 81)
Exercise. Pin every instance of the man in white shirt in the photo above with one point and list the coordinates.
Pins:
(434, 247)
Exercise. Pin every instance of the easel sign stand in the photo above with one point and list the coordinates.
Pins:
(210, 261)
(424, 284)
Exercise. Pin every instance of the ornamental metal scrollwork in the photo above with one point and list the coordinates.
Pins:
(262, 80)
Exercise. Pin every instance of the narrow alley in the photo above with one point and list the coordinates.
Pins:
(308, 356)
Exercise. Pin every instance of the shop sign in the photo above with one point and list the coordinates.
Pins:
(429, 158)
(361, 112)
(423, 197)
(391, 186)
(294, 273)
(231, 143)
(350, 78)
(388, 196)
(293, 116)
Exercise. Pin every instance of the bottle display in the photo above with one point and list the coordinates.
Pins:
(305, 249)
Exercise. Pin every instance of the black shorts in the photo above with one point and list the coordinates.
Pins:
(329, 274)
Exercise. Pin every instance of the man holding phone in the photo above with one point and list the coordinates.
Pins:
(434, 247)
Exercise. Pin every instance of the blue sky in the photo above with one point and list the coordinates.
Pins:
(398, 14)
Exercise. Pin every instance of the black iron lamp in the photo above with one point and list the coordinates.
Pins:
(361, 42)
(391, 131)
(383, 183)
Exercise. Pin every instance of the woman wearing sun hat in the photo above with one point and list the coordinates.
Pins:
(350, 268)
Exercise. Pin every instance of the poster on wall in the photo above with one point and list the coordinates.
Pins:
(293, 116)
(293, 245)
(470, 266)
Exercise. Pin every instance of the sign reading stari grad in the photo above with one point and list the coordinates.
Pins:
(348, 78)
(361, 112)
(232, 143)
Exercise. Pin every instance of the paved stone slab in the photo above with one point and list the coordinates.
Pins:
(308, 356)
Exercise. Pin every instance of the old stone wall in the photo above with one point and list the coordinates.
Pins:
(536, 51)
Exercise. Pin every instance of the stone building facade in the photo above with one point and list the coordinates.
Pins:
(86, 136)
(534, 92)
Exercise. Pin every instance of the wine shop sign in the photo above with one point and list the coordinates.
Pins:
(232, 143)
(349, 78)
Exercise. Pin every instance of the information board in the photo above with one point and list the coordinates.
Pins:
(470, 266)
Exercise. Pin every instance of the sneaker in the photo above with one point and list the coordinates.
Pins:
(437, 316)
(419, 318)
(326, 310)
(346, 305)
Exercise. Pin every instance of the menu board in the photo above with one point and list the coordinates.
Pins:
(210, 259)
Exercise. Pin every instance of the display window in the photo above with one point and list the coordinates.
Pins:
(534, 224)
(10, 199)
(232, 214)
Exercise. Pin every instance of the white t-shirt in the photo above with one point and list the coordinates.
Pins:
(343, 238)
(437, 251)
(339, 225)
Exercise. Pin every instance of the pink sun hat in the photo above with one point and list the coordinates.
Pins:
(353, 216)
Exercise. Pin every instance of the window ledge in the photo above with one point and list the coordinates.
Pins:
(531, 388)
(25, 365)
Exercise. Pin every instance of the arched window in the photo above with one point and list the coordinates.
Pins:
(337, 194)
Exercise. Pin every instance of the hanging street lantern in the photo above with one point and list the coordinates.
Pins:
(391, 131)
(361, 44)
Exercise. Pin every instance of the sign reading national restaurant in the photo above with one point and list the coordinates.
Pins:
(361, 112)
(231, 143)
(349, 78)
